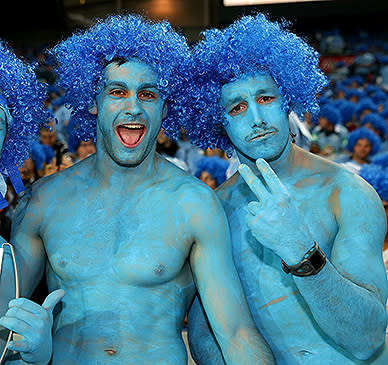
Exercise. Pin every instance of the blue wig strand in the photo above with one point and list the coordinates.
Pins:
(249, 45)
(362, 133)
(81, 60)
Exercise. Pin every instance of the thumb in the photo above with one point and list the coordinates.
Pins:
(53, 299)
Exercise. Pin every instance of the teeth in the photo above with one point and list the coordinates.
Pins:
(132, 126)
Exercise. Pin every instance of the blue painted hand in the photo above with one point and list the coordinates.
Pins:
(33, 324)
(274, 220)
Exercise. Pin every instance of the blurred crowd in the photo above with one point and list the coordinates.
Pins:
(351, 127)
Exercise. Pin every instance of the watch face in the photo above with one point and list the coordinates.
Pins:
(316, 260)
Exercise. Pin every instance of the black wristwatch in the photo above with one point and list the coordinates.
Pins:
(311, 264)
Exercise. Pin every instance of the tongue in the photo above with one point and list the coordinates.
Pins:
(130, 136)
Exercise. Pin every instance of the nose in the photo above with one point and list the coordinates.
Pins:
(255, 117)
(132, 106)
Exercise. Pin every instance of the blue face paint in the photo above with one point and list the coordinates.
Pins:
(256, 123)
(129, 112)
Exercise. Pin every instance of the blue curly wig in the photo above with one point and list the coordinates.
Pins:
(349, 93)
(249, 45)
(81, 60)
(331, 113)
(347, 110)
(215, 166)
(381, 159)
(41, 154)
(361, 133)
(365, 104)
(377, 122)
(377, 176)
(23, 96)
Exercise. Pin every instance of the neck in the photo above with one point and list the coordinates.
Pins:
(359, 160)
(109, 172)
(282, 164)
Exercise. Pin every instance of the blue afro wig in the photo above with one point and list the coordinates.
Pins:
(41, 154)
(365, 104)
(23, 97)
(377, 176)
(82, 58)
(215, 166)
(347, 110)
(249, 45)
(379, 97)
(331, 113)
(381, 159)
(349, 93)
(362, 133)
(377, 122)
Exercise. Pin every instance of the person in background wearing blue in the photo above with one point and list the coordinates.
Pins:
(126, 234)
(212, 171)
(362, 144)
(329, 136)
(307, 234)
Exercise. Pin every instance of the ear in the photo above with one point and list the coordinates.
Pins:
(165, 109)
(93, 109)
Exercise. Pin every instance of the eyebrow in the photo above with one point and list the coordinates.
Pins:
(238, 98)
(146, 85)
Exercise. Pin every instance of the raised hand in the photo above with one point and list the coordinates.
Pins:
(33, 323)
(274, 219)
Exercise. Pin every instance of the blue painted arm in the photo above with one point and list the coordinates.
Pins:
(347, 297)
(31, 321)
(203, 346)
(219, 286)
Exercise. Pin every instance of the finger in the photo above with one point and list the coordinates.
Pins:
(21, 345)
(254, 208)
(26, 316)
(26, 304)
(53, 299)
(270, 178)
(252, 181)
(15, 325)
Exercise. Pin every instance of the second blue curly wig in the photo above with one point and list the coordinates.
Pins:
(249, 45)
(23, 97)
(82, 58)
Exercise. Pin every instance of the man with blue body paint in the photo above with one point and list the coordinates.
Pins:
(306, 233)
(126, 234)
(21, 115)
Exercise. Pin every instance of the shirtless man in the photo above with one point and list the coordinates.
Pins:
(286, 206)
(125, 233)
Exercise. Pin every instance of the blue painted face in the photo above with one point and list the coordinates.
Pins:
(129, 112)
(256, 123)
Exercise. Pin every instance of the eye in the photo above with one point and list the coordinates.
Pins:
(146, 95)
(265, 99)
(237, 109)
(117, 93)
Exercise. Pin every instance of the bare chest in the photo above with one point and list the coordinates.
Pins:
(140, 242)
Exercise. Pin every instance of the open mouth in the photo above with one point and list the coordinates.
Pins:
(130, 135)
(263, 135)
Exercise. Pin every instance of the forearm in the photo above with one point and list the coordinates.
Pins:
(351, 315)
(246, 347)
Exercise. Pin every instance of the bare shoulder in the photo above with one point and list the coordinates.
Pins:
(62, 183)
